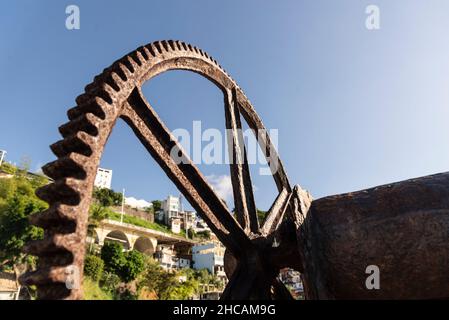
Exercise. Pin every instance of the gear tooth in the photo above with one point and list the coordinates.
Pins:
(102, 103)
(184, 45)
(56, 214)
(151, 49)
(178, 45)
(133, 62)
(111, 92)
(146, 52)
(125, 71)
(68, 166)
(46, 246)
(140, 58)
(45, 276)
(83, 98)
(157, 45)
(171, 43)
(78, 143)
(130, 64)
(90, 87)
(62, 190)
(117, 79)
(143, 52)
(86, 122)
(90, 107)
(165, 45)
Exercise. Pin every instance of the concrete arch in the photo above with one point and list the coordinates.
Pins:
(145, 245)
(118, 236)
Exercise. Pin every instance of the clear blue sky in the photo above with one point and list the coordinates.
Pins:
(354, 108)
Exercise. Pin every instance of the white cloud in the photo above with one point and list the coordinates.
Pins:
(222, 185)
(140, 204)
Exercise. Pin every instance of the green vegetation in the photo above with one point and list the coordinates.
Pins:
(17, 202)
(92, 290)
(138, 222)
(203, 235)
(169, 286)
(134, 265)
(132, 275)
(261, 216)
(8, 168)
(114, 274)
(107, 197)
(157, 205)
(99, 211)
(127, 265)
(93, 267)
(113, 257)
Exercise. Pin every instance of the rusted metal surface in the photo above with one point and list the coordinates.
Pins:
(402, 228)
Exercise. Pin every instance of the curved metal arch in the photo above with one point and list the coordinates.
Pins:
(116, 93)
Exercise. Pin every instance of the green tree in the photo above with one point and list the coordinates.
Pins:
(157, 205)
(204, 234)
(107, 197)
(128, 266)
(93, 267)
(109, 282)
(261, 215)
(113, 257)
(18, 202)
(97, 213)
(133, 266)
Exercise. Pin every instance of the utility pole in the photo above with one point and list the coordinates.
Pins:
(2, 156)
(123, 206)
(183, 213)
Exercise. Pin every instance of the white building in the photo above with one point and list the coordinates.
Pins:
(2, 156)
(167, 257)
(173, 216)
(103, 178)
(209, 256)
(171, 208)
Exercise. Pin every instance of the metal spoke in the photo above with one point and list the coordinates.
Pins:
(161, 144)
(245, 207)
(263, 138)
(276, 212)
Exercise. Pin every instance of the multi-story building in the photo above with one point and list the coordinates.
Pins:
(209, 256)
(171, 208)
(103, 178)
(168, 258)
(2, 156)
(173, 216)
